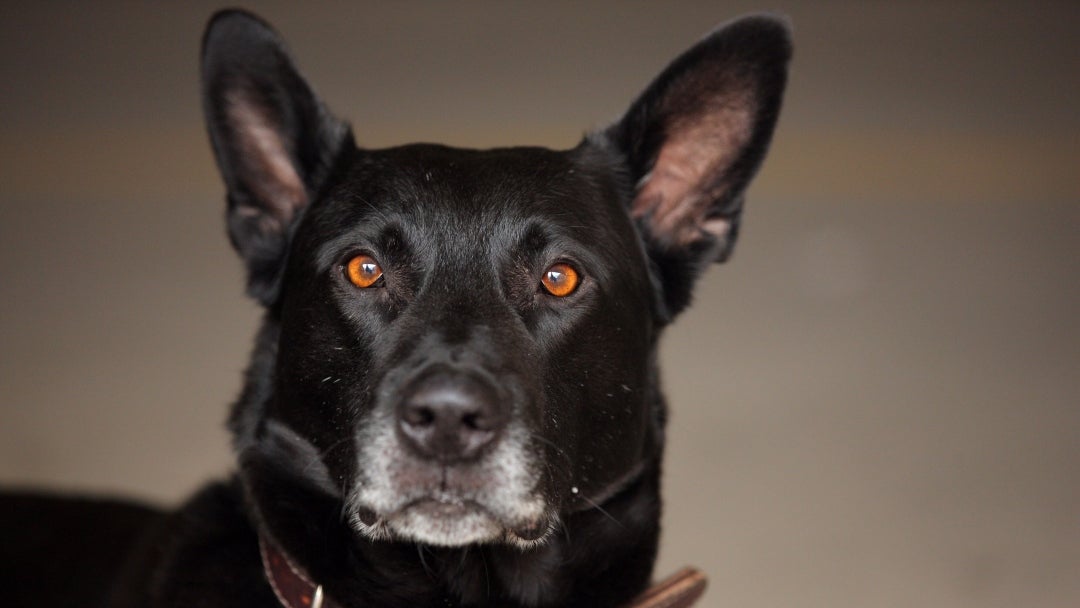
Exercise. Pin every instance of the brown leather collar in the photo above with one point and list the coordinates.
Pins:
(291, 586)
(294, 589)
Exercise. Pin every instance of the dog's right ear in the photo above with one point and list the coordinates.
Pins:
(274, 141)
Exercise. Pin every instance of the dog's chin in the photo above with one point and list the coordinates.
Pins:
(445, 524)
(449, 523)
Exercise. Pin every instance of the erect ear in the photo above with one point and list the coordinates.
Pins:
(695, 138)
(274, 141)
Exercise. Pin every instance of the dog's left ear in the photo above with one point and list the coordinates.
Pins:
(274, 141)
(695, 138)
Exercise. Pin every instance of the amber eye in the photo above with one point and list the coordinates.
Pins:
(560, 280)
(363, 271)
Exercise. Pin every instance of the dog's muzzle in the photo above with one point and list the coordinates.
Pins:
(446, 461)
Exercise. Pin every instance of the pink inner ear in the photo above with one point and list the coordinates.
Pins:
(688, 176)
(269, 173)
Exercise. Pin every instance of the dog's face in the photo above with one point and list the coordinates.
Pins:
(451, 314)
(460, 345)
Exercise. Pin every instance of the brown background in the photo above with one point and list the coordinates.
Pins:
(875, 403)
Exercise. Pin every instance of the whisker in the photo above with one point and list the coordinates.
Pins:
(557, 449)
(487, 576)
(423, 562)
(601, 509)
(317, 458)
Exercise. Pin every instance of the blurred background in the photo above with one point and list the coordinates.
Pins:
(876, 403)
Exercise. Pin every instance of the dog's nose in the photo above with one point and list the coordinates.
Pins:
(450, 417)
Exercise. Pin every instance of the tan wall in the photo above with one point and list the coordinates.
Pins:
(875, 403)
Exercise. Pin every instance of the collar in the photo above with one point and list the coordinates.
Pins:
(290, 584)
(294, 589)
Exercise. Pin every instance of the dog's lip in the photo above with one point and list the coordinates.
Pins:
(532, 531)
(367, 516)
(448, 506)
(442, 505)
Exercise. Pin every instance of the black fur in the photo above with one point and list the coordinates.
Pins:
(463, 237)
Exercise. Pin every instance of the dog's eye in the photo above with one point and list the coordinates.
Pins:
(560, 279)
(363, 271)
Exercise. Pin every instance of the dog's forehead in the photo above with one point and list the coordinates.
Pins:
(435, 196)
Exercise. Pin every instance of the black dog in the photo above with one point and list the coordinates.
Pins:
(453, 398)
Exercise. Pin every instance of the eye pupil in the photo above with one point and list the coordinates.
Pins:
(363, 271)
(560, 280)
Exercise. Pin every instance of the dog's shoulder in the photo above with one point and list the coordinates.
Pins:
(51, 537)
(204, 553)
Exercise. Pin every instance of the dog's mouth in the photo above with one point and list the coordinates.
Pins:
(450, 521)
(494, 498)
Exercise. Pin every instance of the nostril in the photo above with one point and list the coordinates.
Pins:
(418, 415)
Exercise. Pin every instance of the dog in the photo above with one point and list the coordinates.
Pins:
(453, 398)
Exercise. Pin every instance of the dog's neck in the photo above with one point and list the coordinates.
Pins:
(294, 589)
(607, 548)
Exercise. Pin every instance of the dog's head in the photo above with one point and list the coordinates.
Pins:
(459, 345)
